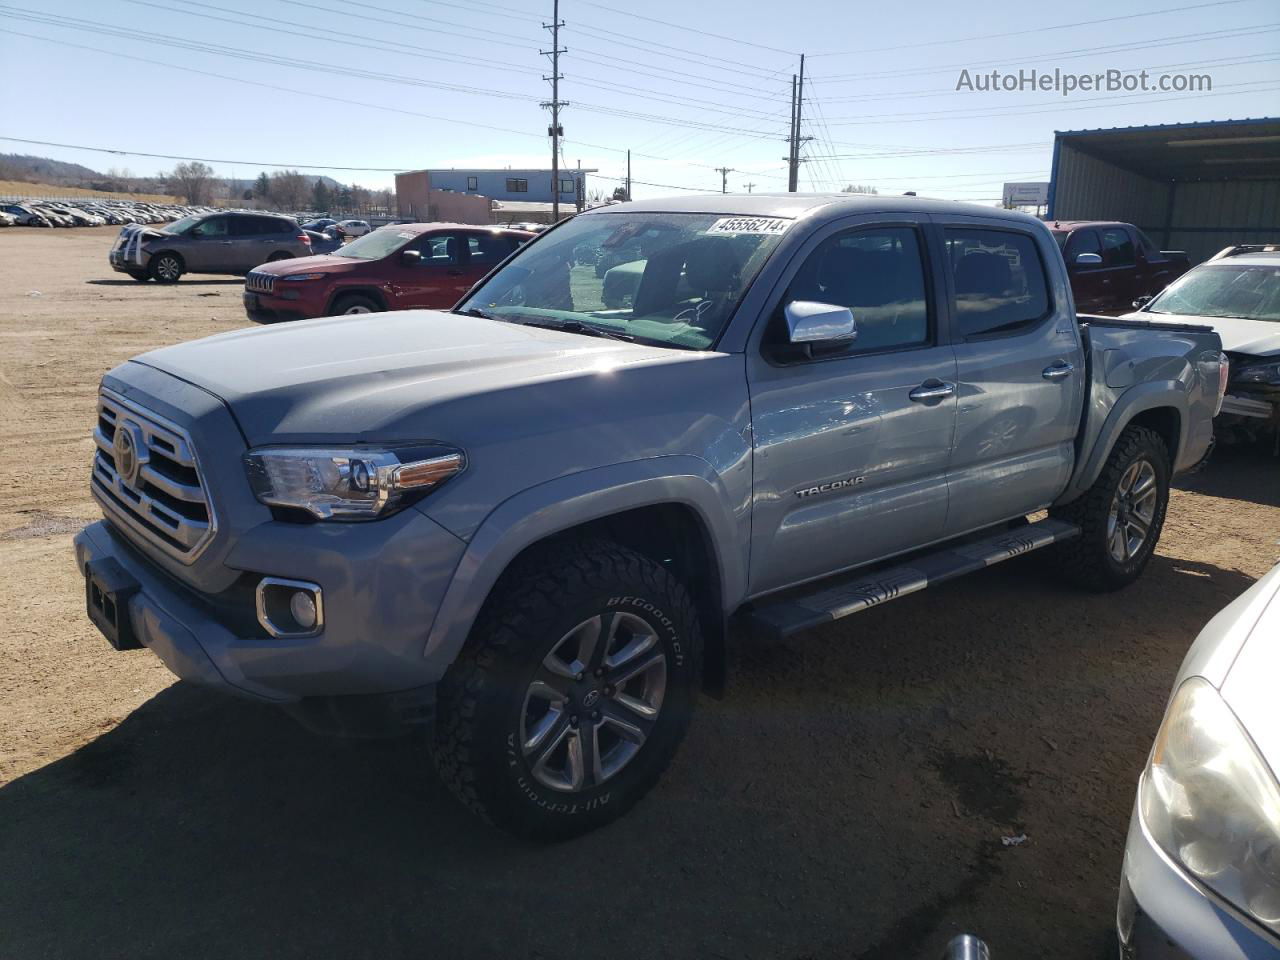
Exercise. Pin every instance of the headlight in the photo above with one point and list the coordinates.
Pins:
(352, 484)
(1259, 374)
(304, 276)
(1212, 804)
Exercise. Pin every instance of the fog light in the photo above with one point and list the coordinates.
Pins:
(303, 609)
(290, 608)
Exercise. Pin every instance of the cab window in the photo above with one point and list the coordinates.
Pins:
(878, 273)
(999, 282)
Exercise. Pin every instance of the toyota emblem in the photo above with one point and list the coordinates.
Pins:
(130, 452)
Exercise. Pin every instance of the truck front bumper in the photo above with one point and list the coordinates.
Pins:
(382, 583)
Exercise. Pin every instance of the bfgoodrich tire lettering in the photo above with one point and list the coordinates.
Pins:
(500, 694)
(1121, 515)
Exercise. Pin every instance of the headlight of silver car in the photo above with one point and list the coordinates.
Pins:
(1258, 374)
(356, 483)
(1212, 804)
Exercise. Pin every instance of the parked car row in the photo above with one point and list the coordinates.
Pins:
(93, 212)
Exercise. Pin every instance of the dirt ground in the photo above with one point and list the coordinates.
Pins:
(847, 798)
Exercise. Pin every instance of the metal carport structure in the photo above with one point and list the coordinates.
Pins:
(1197, 187)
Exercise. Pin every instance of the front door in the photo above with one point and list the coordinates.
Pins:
(1120, 267)
(207, 246)
(851, 444)
(433, 280)
(1089, 281)
(1020, 374)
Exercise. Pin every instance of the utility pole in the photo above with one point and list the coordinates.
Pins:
(748, 186)
(724, 178)
(628, 175)
(554, 131)
(797, 101)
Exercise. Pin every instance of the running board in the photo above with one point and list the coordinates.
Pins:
(800, 611)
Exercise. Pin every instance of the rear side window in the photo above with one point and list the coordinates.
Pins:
(1117, 248)
(999, 281)
(1082, 241)
(488, 250)
(878, 273)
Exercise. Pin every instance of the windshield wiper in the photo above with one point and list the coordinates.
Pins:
(473, 312)
(577, 326)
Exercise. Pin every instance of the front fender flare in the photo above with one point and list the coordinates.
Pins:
(566, 502)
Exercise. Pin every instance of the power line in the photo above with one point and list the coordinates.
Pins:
(1021, 33)
(1072, 54)
(169, 156)
(685, 28)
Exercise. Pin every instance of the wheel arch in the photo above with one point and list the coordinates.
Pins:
(675, 513)
(373, 293)
(1160, 406)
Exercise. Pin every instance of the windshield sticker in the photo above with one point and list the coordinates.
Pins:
(765, 226)
(406, 236)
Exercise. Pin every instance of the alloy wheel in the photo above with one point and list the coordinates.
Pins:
(1133, 511)
(593, 702)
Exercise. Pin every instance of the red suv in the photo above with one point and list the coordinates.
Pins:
(399, 267)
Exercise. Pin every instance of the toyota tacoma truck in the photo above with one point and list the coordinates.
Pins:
(528, 523)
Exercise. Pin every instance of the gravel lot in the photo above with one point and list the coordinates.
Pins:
(847, 799)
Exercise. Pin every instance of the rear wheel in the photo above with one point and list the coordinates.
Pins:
(573, 692)
(166, 268)
(1121, 515)
(354, 303)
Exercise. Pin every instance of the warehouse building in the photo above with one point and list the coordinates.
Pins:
(1197, 187)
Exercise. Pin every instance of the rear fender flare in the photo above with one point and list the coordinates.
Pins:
(1154, 395)
(561, 504)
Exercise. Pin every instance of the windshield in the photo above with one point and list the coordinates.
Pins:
(673, 279)
(376, 245)
(182, 226)
(1251, 291)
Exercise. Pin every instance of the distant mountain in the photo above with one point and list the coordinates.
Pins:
(21, 166)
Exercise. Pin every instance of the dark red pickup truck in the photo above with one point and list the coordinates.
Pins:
(1112, 265)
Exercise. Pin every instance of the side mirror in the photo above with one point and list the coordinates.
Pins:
(410, 258)
(1088, 259)
(1142, 302)
(811, 322)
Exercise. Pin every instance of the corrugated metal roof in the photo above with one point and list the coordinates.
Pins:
(1189, 125)
(1245, 149)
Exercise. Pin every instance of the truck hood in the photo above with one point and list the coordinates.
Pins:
(379, 377)
(1259, 338)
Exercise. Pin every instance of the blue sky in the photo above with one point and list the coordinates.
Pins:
(405, 84)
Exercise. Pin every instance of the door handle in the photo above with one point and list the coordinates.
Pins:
(1058, 371)
(932, 390)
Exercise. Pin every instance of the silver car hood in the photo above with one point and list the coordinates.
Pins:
(1259, 338)
(385, 377)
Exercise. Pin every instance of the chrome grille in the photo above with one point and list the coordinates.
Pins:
(259, 283)
(149, 481)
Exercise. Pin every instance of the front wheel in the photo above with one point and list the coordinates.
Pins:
(166, 268)
(573, 692)
(354, 303)
(1121, 515)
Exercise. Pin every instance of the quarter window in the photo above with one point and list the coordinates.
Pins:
(999, 281)
(1117, 248)
(879, 275)
(517, 185)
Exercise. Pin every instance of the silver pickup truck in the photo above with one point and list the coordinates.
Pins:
(532, 520)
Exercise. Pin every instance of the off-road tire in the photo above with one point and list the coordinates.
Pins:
(354, 303)
(1087, 559)
(159, 271)
(481, 701)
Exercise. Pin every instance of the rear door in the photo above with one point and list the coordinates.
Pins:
(432, 282)
(1019, 370)
(1120, 268)
(851, 444)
